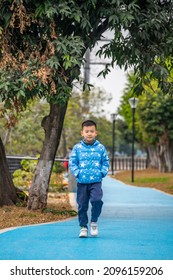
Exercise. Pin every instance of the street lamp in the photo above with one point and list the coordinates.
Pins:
(113, 141)
(133, 103)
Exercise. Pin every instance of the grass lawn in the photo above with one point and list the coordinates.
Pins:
(151, 178)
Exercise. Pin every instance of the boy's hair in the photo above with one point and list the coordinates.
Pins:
(89, 123)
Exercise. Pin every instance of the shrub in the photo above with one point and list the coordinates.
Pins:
(23, 177)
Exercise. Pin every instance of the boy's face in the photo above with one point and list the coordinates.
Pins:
(89, 133)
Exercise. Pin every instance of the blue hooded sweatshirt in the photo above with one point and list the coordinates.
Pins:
(89, 163)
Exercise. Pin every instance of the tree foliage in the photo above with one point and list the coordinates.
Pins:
(154, 129)
(25, 135)
(36, 54)
(154, 114)
(43, 42)
(154, 109)
(144, 42)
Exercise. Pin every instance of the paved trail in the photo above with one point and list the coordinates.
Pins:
(136, 224)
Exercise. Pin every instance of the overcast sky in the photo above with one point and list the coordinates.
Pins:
(114, 83)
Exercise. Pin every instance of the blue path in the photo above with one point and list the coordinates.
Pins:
(136, 224)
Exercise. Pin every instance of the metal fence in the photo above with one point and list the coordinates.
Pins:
(14, 162)
(120, 163)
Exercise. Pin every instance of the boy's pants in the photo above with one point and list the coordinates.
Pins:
(85, 193)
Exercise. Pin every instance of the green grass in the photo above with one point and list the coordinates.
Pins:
(152, 180)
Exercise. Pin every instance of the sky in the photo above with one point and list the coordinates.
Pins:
(114, 83)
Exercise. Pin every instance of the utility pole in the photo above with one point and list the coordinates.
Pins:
(87, 67)
(88, 63)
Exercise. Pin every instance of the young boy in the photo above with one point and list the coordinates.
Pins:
(89, 163)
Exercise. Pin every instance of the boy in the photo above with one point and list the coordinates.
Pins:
(89, 163)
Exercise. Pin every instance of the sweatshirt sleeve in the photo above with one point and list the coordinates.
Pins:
(105, 163)
(73, 162)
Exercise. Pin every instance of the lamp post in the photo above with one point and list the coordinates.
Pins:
(133, 103)
(113, 141)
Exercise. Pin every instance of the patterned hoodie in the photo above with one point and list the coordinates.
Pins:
(89, 163)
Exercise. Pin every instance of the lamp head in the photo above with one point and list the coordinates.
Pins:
(113, 116)
(133, 102)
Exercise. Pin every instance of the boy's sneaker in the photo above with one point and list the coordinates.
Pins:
(94, 229)
(83, 232)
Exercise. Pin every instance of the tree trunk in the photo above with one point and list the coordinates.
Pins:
(169, 156)
(165, 153)
(52, 125)
(161, 158)
(152, 157)
(62, 149)
(7, 136)
(8, 194)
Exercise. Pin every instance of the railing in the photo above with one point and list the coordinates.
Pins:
(120, 163)
(14, 162)
(125, 163)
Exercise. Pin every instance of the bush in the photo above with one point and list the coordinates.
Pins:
(23, 177)
(58, 167)
(28, 165)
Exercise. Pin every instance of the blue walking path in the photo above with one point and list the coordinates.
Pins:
(136, 224)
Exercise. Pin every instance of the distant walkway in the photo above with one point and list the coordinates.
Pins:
(136, 224)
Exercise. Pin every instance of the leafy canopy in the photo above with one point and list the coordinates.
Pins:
(42, 43)
(154, 110)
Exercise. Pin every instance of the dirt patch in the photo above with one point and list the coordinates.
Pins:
(58, 208)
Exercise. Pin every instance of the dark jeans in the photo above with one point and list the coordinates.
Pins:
(85, 193)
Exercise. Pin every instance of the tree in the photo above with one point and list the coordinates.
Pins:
(153, 114)
(123, 137)
(145, 42)
(42, 48)
(8, 194)
(24, 135)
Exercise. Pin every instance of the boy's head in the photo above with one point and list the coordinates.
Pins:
(89, 123)
(89, 131)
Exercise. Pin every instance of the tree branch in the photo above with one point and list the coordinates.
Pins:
(96, 34)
